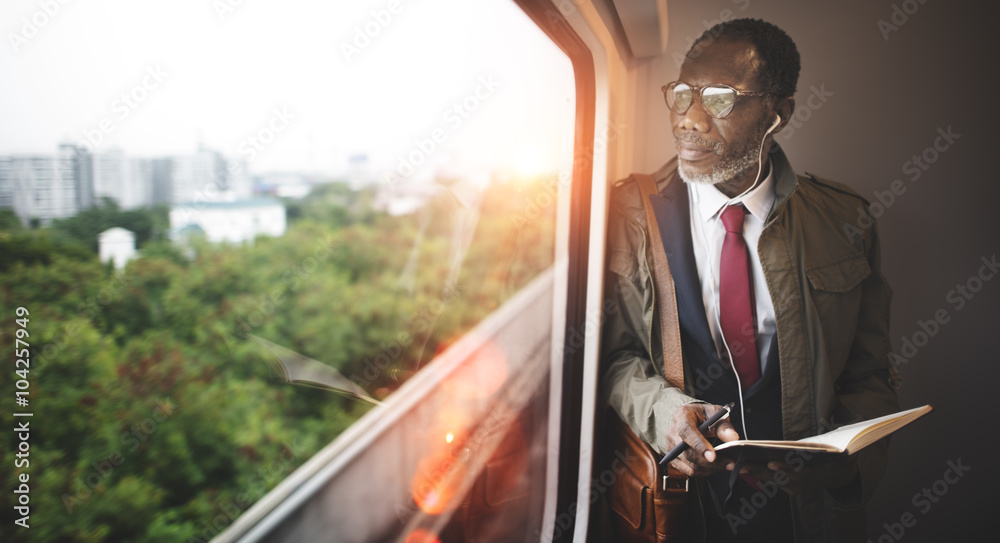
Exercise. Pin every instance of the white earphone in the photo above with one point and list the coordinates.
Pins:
(760, 159)
(711, 269)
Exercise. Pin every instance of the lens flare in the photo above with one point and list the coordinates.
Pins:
(436, 482)
(420, 535)
(480, 376)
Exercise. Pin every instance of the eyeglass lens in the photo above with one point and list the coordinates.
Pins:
(718, 101)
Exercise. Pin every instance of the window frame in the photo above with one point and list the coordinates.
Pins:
(572, 400)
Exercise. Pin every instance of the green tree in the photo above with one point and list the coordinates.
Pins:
(160, 418)
(9, 220)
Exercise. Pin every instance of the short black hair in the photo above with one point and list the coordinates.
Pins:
(779, 74)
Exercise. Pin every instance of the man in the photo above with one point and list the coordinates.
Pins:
(781, 308)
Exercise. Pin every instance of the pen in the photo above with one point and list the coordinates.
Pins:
(683, 446)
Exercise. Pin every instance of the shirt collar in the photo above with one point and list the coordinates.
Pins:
(758, 201)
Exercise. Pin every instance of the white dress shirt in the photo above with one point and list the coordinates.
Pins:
(707, 235)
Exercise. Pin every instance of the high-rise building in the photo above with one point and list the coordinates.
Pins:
(201, 177)
(161, 172)
(76, 161)
(238, 182)
(37, 187)
(126, 180)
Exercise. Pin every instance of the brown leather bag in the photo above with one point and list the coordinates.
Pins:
(649, 501)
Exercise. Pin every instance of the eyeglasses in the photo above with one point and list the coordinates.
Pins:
(717, 99)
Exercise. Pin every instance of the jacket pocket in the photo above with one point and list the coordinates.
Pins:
(841, 275)
(836, 297)
(623, 264)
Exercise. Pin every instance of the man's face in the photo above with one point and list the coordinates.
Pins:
(711, 150)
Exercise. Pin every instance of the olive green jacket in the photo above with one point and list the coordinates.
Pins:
(831, 306)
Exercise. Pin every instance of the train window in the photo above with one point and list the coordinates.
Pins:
(301, 250)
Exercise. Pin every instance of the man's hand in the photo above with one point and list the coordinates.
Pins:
(700, 459)
(795, 480)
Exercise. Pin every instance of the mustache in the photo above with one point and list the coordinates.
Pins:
(694, 139)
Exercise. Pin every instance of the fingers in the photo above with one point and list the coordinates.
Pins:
(693, 465)
(724, 430)
(684, 466)
(775, 466)
(700, 458)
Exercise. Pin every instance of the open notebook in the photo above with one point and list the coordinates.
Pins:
(844, 440)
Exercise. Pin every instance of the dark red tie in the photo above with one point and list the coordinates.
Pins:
(736, 306)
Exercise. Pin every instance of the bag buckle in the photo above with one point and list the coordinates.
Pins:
(677, 485)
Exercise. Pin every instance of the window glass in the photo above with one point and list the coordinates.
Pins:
(237, 227)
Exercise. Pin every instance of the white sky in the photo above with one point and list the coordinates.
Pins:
(225, 74)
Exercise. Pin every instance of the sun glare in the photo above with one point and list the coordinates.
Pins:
(529, 162)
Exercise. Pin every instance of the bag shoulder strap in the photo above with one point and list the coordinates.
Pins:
(663, 281)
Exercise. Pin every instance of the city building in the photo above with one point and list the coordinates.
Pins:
(37, 187)
(238, 221)
(161, 171)
(46, 187)
(78, 161)
(199, 177)
(284, 185)
(126, 180)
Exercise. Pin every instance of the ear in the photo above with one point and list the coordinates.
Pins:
(784, 107)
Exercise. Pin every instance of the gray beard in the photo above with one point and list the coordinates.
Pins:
(726, 169)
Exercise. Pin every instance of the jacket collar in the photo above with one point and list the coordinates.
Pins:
(785, 180)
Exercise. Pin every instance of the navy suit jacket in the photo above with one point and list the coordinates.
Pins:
(673, 215)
